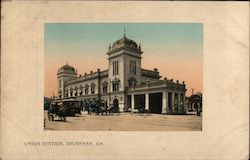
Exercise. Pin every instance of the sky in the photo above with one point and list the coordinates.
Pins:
(176, 49)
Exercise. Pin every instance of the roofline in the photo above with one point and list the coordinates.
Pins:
(124, 47)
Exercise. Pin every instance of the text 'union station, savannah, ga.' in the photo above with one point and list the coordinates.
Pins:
(124, 83)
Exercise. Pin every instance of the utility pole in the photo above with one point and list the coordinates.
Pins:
(109, 85)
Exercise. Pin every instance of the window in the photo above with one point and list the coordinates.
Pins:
(105, 89)
(132, 67)
(115, 67)
(93, 90)
(132, 81)
(76, 91)
(115, 86)
(80, 92)
(71, 92)
(66, 93)
(81, 89)
(86, 91)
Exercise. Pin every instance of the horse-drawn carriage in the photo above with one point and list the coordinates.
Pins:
(100, 107)
(64, 107)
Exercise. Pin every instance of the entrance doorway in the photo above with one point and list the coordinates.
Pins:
(116, 105)
(140, 101)
(155, 102)
(115, 102)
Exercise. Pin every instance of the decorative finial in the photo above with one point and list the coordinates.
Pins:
(109, 47)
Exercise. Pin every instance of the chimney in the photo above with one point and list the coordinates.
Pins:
(98, 70)
(91, 72)
(85, 74)
(155, 70)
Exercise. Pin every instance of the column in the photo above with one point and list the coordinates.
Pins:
(167, 102)
(62, 90)
(178, 101)
(172, 105)
(184, 102)
(132, 102)
(164, 102)
(108, 102)
(147, 101)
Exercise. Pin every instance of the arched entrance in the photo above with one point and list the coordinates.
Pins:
(116, 104)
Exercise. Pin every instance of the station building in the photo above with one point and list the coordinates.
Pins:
(125, 82)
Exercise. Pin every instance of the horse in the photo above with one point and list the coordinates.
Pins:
(54, 109)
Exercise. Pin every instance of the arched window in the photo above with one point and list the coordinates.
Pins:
(80, 90)
(71, 92)
(66, 93)
(132, 81)
(115, 84)
(92, 88)
(76, 90)
(86, 89)
(105, 87)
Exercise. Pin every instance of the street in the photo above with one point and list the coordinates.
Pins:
(126, 122)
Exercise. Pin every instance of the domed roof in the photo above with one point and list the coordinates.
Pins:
(67, 68)
(124, 42)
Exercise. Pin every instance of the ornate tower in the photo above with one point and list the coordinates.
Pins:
(124, 66)
(65, 73)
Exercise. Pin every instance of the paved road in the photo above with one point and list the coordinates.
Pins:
(127, 122)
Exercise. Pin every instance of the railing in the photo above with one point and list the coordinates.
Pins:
(87, 77)
(161, 83)
(149, 73)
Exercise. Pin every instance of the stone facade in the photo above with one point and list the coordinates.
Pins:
(124, 81)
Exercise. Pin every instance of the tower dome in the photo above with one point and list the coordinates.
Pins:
(67, 68)
(124, 42)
